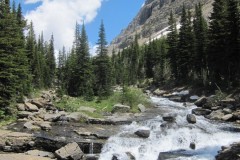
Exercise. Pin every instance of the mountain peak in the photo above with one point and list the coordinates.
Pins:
(152, 19)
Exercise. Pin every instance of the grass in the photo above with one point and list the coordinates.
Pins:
(131, 97)
(7, 121)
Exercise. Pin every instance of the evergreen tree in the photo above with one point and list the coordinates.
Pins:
(233, 48)
(102, 66)
(217, 55)
(172, 41)
(200, 33)
(185, 45)
(51, 63)
(13, 68)
(84, 69)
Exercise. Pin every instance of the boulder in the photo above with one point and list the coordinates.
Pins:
(215, 115)
(120, 108)
(115, 157)
(40, 153)
(227, 111)
(130, 156)
(193, 98)
(176, 99)
(192, 146)
(70, 151)
(227, 117)
(87, 109)
(201, 111)
(53, 117)
(191, 118)
(31, 126)
(143, 133)
(38, 103)
(20, 107)
(201, 101)
(159, 92)
(77, 117)
(169, 118)
(229, 153)
(24, 114)
(21, 157)
(45, 126)
(31, 107)
(141, 108)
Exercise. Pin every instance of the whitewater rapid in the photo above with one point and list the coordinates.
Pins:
(208, 136)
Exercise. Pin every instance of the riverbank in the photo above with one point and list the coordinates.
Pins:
(58, 128)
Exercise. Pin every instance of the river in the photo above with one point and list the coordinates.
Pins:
(172, 140)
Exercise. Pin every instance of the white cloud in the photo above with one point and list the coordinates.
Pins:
(58, 17)
(93, 50)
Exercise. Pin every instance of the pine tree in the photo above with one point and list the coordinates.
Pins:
(13, 68)
(217, 55)
(232, 48)
(172, 41)
(84, 69)
(51, 63)
(102, 66)
(200, 33)
(185, 45)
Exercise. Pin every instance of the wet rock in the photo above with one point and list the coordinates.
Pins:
(229, 153)
(115, 157)
(40, 153)
(169, 118)
(20, 107)
(192, 145)
(24, 114)
(31, 126)
(141, 108)
(119, 108)
(201, 101)
(91, 157)
(172, 155)
(143, 133)
(45, 126)
(193, 98)
(215, 115)
(70, 151)
(21, 157)
(87, 109)
(191, 118)
(227, 117)
(31, 107)
(176, 99)
(159, 92)
(53, 117)
(17, 141)
(130, 156)
(201, 111)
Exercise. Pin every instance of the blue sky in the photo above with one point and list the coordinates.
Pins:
(59, 17)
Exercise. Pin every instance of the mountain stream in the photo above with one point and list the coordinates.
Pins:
(174, 141)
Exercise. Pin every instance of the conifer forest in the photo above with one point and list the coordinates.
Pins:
(203, 53)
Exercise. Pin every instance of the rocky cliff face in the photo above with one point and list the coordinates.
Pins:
(152, 19)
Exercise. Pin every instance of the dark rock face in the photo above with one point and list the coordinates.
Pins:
(143, 133)
(229, 153)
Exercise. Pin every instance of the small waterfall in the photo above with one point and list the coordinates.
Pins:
(175, 139)
(91, 148)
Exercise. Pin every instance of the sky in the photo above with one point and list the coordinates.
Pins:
(58, 17)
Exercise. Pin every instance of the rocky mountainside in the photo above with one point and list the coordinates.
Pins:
(152, 20)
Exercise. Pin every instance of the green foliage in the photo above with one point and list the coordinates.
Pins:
(131, 97)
